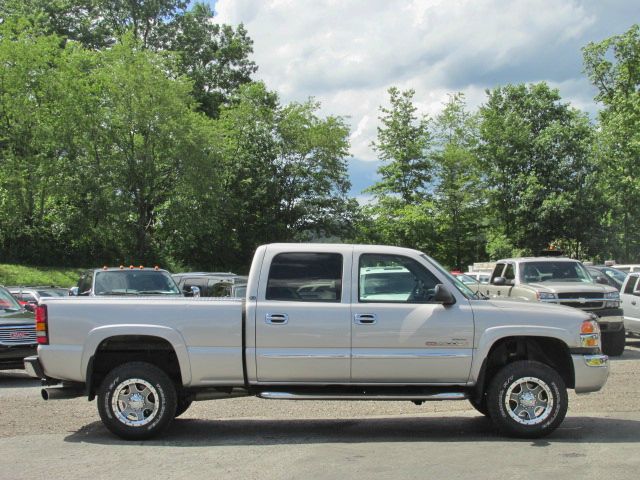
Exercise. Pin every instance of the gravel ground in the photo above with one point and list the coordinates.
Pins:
(599, 436)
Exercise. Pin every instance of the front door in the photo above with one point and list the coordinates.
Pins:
(399, 334)
(303, 321)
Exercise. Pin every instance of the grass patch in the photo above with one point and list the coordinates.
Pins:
(31, 276)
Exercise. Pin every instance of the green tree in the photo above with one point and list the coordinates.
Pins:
(402, 211)
(536, 152)
(283, 177)
(613, 66)
(459, 194)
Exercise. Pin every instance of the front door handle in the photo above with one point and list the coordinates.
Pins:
(276, 318)
(365, 318)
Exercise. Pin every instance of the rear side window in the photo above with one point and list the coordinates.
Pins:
(305, 277)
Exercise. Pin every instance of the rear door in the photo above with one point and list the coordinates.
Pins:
(630, 301)
(303, 321)
(399, 334)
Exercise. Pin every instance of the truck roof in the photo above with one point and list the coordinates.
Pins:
(538, 259)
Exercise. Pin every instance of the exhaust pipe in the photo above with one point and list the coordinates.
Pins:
(60, 393)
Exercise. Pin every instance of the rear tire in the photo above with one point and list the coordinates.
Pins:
(613, 343)
(136, 401)
(527, 399)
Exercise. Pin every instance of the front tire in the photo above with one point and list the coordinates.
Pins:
(613, 343)
(527, 399)
(481, 405)
(136, 401)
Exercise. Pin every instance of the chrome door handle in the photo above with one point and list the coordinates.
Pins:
(276, 318)
(365, 318)
(633, 302)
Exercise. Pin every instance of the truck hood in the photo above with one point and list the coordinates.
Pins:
(540, 309)
(566, 287)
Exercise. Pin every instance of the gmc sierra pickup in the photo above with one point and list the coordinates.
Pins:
(321, 322)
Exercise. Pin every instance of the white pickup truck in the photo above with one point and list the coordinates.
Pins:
(321, 322)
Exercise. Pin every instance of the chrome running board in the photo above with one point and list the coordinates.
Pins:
(363, 396)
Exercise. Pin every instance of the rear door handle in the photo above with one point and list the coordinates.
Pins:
(276, 318)
(365, 318)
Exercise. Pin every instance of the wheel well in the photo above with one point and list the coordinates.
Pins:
(547, 350)
(115, 351)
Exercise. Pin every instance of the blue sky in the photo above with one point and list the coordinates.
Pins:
(347, 53)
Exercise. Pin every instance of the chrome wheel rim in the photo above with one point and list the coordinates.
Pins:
(135, 402)
(529, 401)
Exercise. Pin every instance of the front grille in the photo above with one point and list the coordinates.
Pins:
(580, 295)
(18, 335)
(582, 305)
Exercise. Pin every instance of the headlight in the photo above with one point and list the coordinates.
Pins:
(590, 334)
(613, 300)
(546, 296)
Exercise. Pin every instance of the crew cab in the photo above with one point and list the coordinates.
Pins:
(561, 281)
(630, 297)
(321, 322)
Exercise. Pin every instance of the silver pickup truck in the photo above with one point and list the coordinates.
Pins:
(321, 322)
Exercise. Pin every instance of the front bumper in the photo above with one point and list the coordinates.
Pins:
(11, 356)
(591, 372)
(609, 319)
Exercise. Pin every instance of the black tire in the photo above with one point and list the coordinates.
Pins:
(613, 343)
(184, 402)
(154, 389)
(480, 406)
(546, 415)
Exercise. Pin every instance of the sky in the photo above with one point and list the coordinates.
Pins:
(347, 53)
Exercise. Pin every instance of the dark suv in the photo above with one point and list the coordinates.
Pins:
(17, 332)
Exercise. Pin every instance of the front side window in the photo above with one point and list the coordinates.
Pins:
(395, 279)
(305, 277)
(509, 274)
(497, 272)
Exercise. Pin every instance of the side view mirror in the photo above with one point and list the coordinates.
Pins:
(499, 281)
(30, 307)
(601, 280)
(443, 296)
(74, 291)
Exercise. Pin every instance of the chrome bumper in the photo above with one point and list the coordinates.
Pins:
(591, 372)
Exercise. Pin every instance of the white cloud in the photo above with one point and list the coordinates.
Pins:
(346, 54)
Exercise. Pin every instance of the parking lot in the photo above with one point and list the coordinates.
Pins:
(251, 438)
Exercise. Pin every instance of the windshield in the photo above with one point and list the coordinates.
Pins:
(7, 302)
(540, 272)
(135, 282)
(466, 291)
(615, 274)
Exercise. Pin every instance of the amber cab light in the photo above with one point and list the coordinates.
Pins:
(42, 333)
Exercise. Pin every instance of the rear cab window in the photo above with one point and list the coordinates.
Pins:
(305, 277)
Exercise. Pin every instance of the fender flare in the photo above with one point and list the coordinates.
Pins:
(100, 334)
(495, 334)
